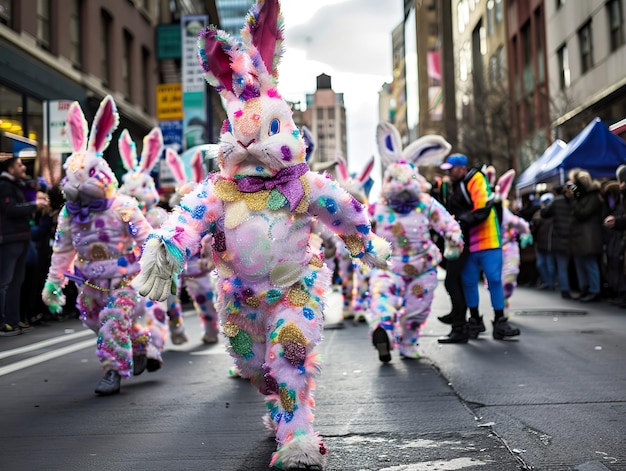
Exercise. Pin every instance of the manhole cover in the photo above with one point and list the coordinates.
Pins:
(551, 312)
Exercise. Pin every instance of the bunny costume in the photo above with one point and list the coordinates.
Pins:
(260, 209)
(197, 275)
(139, 184)
(99, 235)
(401, 297)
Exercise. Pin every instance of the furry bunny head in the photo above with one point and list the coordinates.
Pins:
(402, 180)
(88, 176)
(259, 138)
(358, 186)
(137, 181)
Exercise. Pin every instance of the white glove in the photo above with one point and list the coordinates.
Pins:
(451, 251)
(155, 280)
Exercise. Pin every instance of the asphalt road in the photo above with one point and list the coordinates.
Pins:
(555, 399)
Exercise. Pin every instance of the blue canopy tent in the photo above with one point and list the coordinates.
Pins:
(596, 149)
(528, 178)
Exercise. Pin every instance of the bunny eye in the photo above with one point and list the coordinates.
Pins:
(144, 185)
(92, 171)
(274, 127)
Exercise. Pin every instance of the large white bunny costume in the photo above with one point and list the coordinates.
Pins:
(138, 183)
(197, 275)
(405, 213)
(260, 208)
(97, 244)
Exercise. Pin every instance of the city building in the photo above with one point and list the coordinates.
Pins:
(586, 55)
(325, 116)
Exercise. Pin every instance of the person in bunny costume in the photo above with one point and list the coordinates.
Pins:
(138, 183)
(100, 234)
(354, 276)
(197, 274)
(405, 213)
(260, 208)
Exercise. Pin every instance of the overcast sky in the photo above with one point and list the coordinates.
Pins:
(350, 40)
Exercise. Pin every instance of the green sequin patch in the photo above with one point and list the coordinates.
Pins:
(276, 200)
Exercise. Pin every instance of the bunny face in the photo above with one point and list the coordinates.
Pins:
(137, 182)
(141, 186)
(259, 138)
(88, 175)
(401, 182)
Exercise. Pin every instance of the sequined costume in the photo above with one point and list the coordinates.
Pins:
(405, 213)
(513, 227)
(97, 245)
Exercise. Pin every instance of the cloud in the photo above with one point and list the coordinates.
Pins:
(350, 40)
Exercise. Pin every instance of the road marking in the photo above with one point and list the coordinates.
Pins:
(46, 356)
(45, 343)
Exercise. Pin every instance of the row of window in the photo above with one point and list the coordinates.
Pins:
(585, 43)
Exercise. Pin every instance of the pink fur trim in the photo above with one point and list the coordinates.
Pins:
(152, 148)
(77, 127)
(105, 122)
(176, 165)
(128, 151)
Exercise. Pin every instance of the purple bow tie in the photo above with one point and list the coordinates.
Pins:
(285, 181)
(81, 213)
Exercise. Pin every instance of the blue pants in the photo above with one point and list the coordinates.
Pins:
(546, 267)
(490, 262)
(562, 270)
(588, 273)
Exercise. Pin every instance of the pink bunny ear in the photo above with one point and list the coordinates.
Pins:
(369, 166)
(214, 53)
(76, 127)
(389, 143)
(490, 173)
(505, 182)
(176, 165)
(151, 151)
(264, 30)
(197, 167)
(342, 167)
(104, 123)
(427, 150)
(128, 150)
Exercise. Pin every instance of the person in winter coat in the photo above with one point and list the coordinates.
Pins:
(615, 241)
(586, 236)
(542, 233)
(15, 215)
(559, 211)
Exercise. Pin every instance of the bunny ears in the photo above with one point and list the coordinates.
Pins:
(150, 153)
(243, 69)
(427, 150)
(104, 123)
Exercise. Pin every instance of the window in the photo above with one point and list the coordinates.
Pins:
(490, 17)
(527, 65)
(43, 23)
(75, 33)
(614, 9)
(498, 11)
(564, 73)
(127, 55)
(145, 70)
(105, 50)
(538, 21)
(586, 47)
(5, 12)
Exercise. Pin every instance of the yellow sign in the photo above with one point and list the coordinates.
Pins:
(169, 102)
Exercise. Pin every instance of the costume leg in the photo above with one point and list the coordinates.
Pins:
(201, 290)
(510, 268)
(175, 315)
(114, 337)
(418, 300)
(386, 302)
(294, 329)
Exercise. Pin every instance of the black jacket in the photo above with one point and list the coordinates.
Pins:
(560, 212)
(15, 212)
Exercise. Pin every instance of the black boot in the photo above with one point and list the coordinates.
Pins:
(447, 319)
(380, 339)
(139, 364)
(109, 384)
(475, 326)
(502, 328)
(456, 335)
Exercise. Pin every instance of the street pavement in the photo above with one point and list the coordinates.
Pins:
(553, 399)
